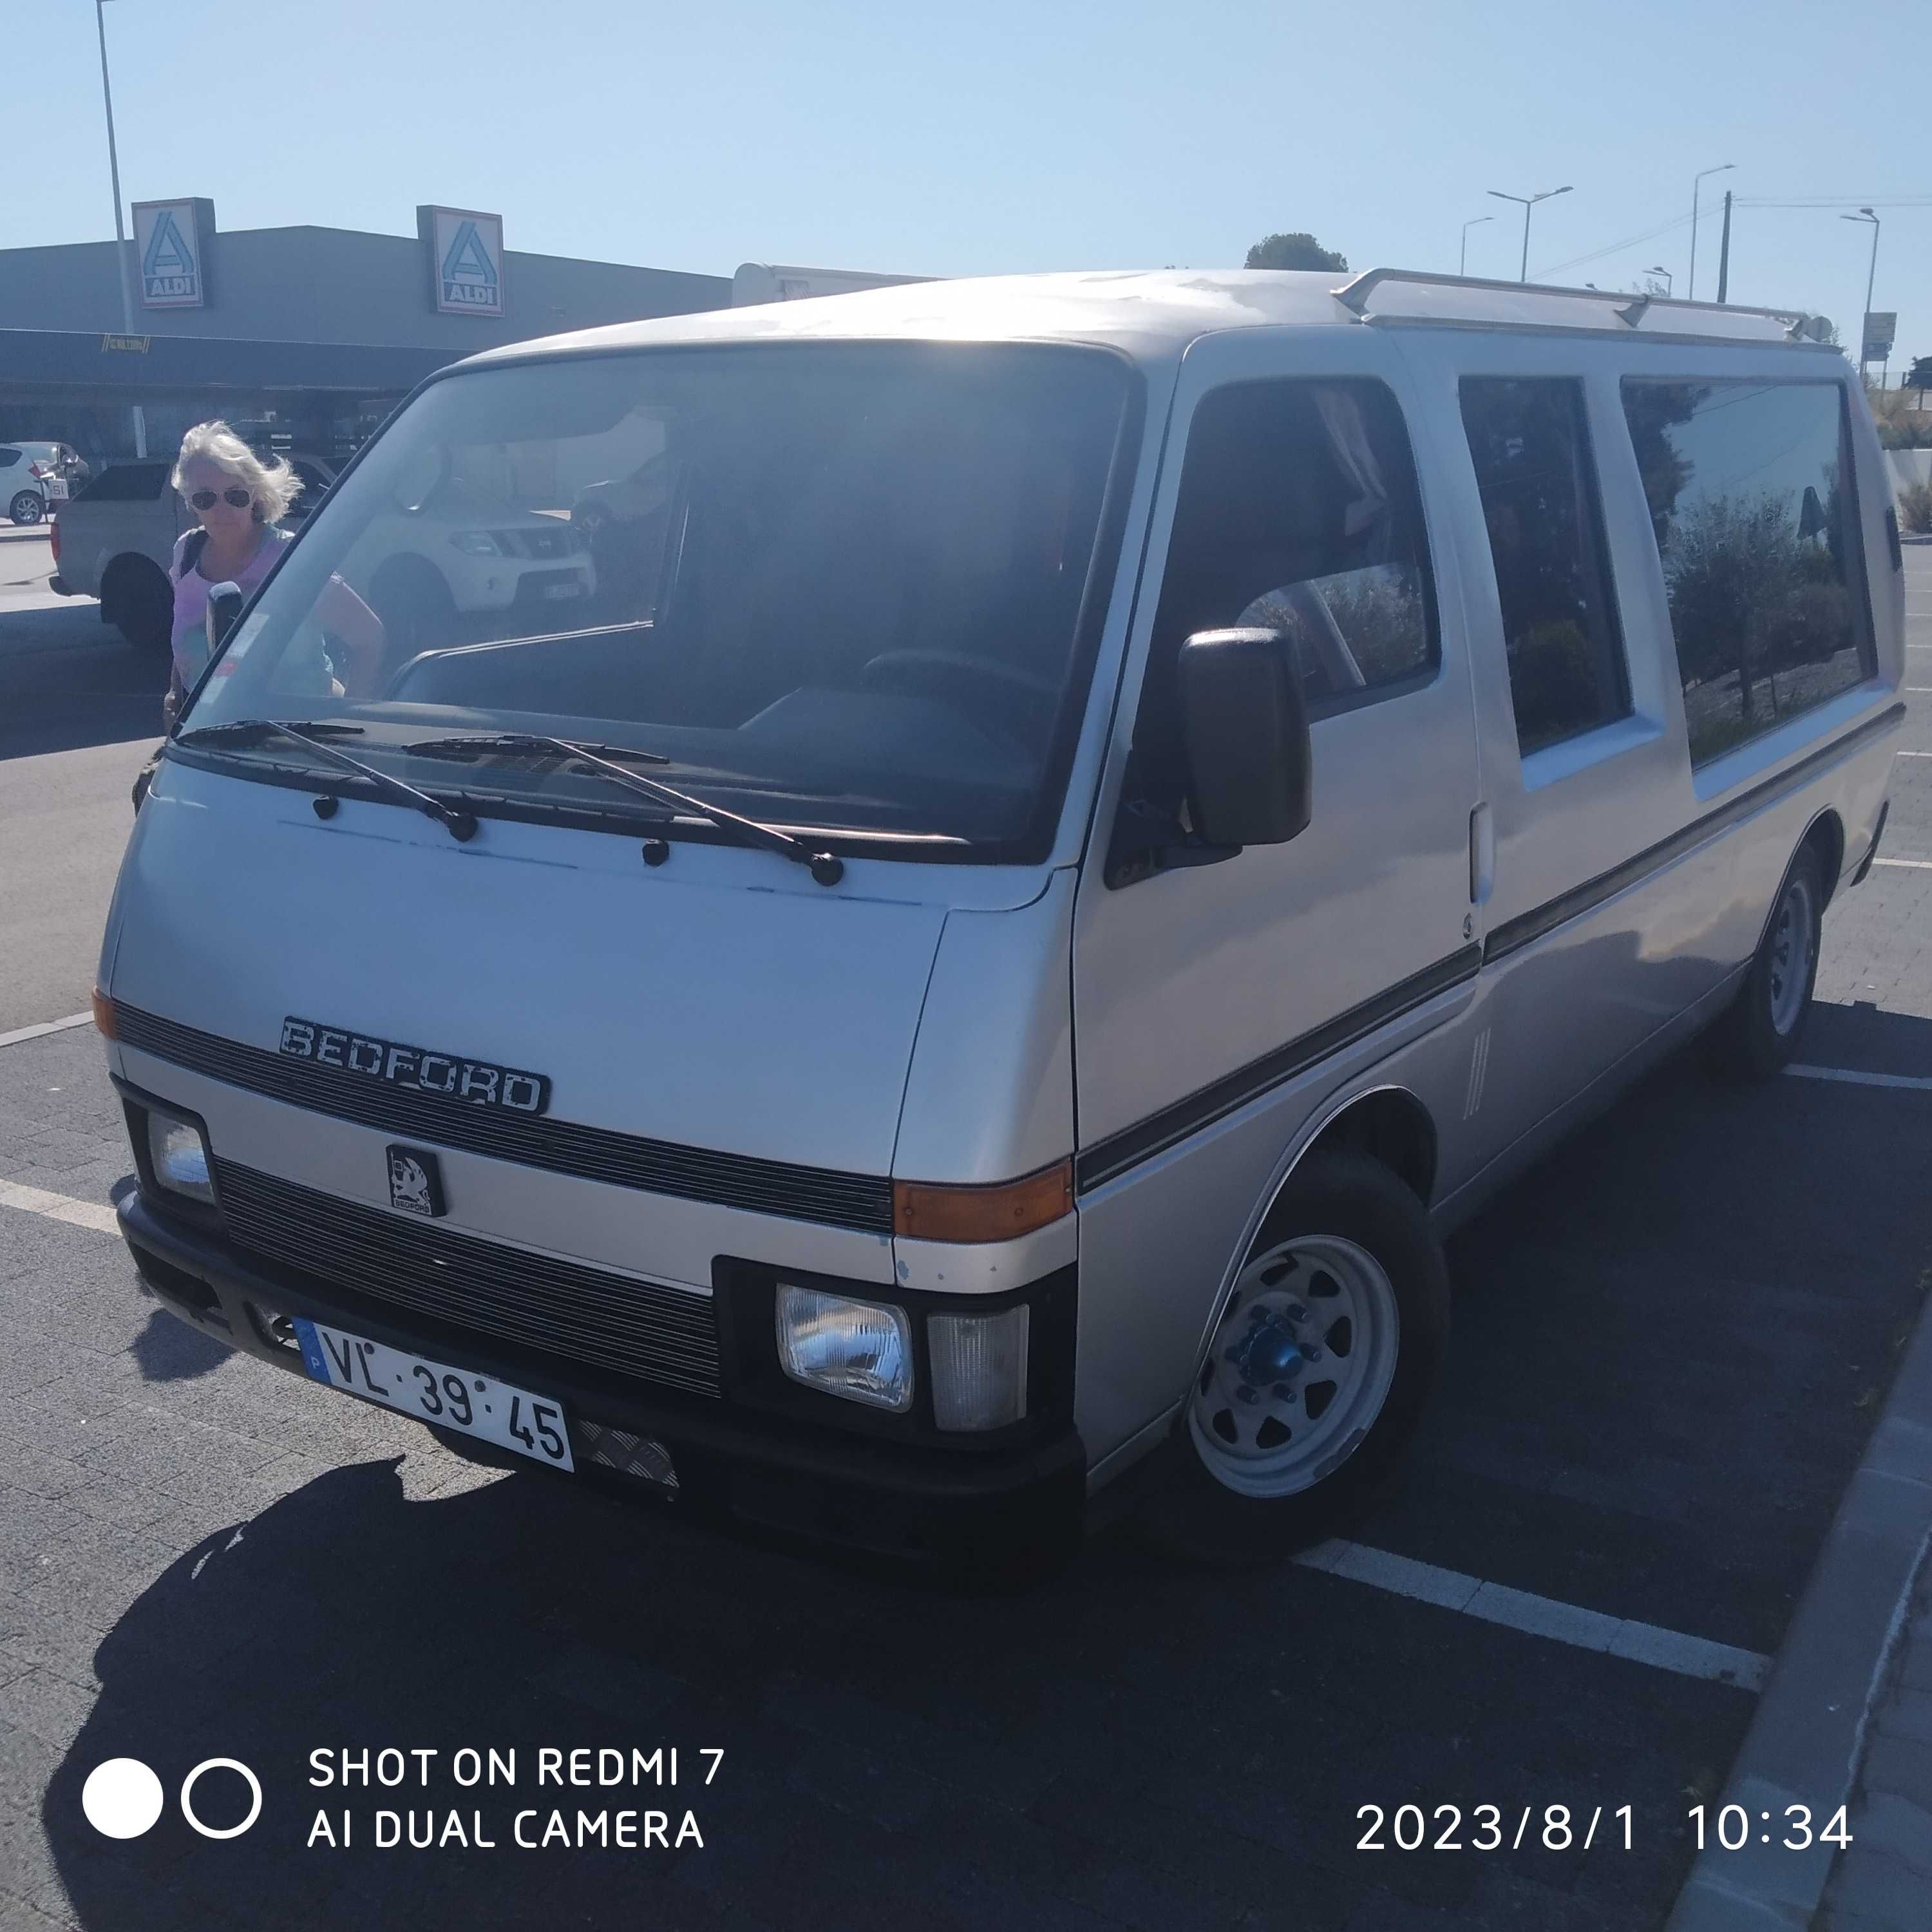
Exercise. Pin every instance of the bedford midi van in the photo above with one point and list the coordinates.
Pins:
(1101, 815)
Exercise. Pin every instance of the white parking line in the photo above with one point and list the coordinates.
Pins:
(1906, 865)
(1845, 1073)
(1540, 1616)
(46, 1026)
(58, 1207)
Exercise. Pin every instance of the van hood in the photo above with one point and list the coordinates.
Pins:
(722, 1000)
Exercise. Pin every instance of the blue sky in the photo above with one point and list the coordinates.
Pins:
(1018, 134)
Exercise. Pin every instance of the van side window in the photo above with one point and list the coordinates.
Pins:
(1530, 440)
(1755, 510)
(1298, 510)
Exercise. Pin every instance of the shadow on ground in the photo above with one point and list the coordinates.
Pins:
(66, 682)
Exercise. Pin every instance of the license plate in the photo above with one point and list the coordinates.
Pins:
(458, 1398)
(563, 590)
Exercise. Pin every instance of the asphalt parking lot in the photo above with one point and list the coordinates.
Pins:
(1671, 1340)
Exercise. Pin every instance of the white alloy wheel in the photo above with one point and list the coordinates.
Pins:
(1794, 942)
(1299, 1368)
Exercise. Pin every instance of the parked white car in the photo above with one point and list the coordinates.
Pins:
(25, 482)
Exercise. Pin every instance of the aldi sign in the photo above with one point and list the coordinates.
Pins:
(172, 241)
(466, 260)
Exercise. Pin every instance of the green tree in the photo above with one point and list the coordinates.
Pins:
(1298, 251)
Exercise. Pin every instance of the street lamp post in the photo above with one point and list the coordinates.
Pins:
(1658, 268)
(1723, 167)
(1528, 202)
(120, 225)
(1871, 279)
(1462, 260)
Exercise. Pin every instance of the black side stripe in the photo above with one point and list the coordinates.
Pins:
(1513, 935)
(1118, 1152)
(1105, 1158)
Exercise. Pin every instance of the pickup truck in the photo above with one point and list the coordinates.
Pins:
(448, 548)
(113, 540)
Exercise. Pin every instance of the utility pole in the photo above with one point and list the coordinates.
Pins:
(1866, 215)
(1724, 252)
(1723, 167)
(120, 225)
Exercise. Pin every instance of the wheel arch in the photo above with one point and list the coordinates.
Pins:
(121, 577)
(1826, 833)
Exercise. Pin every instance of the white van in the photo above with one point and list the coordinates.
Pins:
(1122, 806)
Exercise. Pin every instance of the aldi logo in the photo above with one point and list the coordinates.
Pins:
(466, 260)
(170, 240)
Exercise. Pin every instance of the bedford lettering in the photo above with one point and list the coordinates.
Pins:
(420, 1068)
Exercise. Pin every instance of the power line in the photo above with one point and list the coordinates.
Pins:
(1616, 248)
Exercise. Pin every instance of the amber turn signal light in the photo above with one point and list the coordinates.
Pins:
(935, 1211)
(103, 1015)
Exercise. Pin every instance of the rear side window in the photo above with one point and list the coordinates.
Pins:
(8, 457)
(1755, 510)
(127, 483)
(1530, 442)
(1299, 510)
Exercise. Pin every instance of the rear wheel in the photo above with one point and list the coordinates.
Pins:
(1318, 1373)
(412, 598)
(26, 508)
(1759, 1033)
(138, 600)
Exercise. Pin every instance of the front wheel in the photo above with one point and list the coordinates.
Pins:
(1759, 1032)
(26, 508)
(1318, 1373)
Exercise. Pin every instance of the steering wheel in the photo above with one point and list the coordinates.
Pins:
(1018, 704)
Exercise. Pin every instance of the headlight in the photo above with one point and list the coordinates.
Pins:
(179, 1157)
(860, 1350)
(978, 1369)
(476, 543)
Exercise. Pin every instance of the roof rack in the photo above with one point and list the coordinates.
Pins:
(1630, 309)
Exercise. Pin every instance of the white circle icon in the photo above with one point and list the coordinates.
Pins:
(122, 1798)
(219, 1764)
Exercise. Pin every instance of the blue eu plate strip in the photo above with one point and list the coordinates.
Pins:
(311, 1348)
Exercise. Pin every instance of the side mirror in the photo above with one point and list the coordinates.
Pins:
(1244, 725)
(224, 606)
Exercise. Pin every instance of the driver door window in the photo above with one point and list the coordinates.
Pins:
(1298, 511)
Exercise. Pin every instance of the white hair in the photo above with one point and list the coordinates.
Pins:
(275, 486)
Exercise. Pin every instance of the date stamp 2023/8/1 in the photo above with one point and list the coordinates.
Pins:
(1557, 1828)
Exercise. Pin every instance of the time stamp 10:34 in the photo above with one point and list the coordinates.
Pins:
(1556, 1828)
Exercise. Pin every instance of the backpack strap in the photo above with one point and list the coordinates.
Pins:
(193, 544)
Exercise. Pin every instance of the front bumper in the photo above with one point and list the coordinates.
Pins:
(907, 1501)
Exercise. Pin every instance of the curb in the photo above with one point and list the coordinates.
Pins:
(1807, 1742)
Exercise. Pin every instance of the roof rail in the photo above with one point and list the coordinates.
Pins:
(1630, 310)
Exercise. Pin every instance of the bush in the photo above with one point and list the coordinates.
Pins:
(1914, 508)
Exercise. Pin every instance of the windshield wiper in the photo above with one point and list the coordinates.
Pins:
(461, 825)
(826, 869)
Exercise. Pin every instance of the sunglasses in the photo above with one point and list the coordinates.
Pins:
(204, 500)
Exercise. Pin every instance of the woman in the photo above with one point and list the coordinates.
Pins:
(238, 499)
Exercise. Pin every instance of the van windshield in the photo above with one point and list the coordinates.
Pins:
(840, 585)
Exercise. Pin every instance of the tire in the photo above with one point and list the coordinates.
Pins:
(1233, 1487)
(1759, 1034)
(417, 612)
(26, 508)
(138, 600)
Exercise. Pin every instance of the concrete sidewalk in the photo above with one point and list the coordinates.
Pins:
(1847, 1717)
(1883, 1883)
